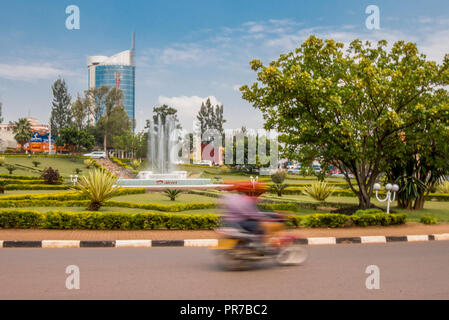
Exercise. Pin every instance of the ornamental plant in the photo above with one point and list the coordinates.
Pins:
(10, 168)
(98, 186)
(88, 163)
(2, 161)
(36, 163)
(319, 191)
(51, 176)
(172, 193)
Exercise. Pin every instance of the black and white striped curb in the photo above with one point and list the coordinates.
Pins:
(209, 242)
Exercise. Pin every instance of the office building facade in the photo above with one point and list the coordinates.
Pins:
(117, 71)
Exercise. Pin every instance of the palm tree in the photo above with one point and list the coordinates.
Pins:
(98, 186)
(22, 131)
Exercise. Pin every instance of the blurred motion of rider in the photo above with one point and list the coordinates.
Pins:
(240, 210)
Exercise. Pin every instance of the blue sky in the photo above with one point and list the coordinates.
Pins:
(187, 50)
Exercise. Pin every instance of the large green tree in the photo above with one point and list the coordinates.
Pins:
(80, 112)
(210, 117)
(347, 108)
(74, 139)
(96, 98)
(61, 112)
(22, 131)
(163, 112)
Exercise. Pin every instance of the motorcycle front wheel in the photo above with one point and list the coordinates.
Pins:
(293, 255)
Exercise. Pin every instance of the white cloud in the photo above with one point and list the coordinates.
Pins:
(187, 106)
(30, 72)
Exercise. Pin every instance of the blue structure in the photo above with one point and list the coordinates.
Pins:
(117, 71)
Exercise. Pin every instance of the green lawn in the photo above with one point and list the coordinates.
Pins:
(159, 197)
(78, 209)
(66, 166)
(438, 209)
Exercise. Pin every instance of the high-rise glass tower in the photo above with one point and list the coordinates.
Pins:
(117, 71)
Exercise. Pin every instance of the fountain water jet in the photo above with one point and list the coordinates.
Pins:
(162, 146)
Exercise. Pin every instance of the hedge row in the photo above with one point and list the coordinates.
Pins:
(123, 164)
(119, 204)
(163, 207)
(13, 176)
(64, 196)
(331, 220)
(25, 219)
(37, 187)
(153, 220)
(23, 181)
(349, 193)
(39, 155)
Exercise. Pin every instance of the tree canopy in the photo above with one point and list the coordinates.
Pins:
(348, 109)
(61, 113)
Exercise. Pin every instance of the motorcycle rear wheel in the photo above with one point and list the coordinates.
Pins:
(226, 260)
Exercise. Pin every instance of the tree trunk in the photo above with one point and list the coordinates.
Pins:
(419, 202)
(105, 144)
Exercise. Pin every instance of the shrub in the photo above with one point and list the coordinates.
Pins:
(98, 187)
(10, 168)
(135, 164)
(319, 191)
(330, 220)
(2, 161)
(428, 220)
(278, 177)
(105, 220)
(278, 188)
(78, 170)
(50, 175)
(443, 187)
(88, 163)
(172, 193)
(36, 163)
(375, 217)
(3, 183)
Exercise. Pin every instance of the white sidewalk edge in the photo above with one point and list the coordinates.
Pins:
(414, 238)
(200, 243)
(317, 241)
(373, 239)
(60, 243)
(133, 243)
(442, 236)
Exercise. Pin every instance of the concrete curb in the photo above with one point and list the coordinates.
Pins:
(210, 242)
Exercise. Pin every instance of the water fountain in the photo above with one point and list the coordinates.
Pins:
(162, 149)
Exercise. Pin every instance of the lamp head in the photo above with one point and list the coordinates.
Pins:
(395, 188)
(389, 186)
(376, 187)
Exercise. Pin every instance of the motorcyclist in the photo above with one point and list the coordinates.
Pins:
(240, 210)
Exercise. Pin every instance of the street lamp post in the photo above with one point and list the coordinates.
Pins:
(391, 193)
(74, 179)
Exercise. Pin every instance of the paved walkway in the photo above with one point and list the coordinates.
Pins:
(410, 228)
(117, 170)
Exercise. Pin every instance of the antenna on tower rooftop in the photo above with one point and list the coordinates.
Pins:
(132, 41)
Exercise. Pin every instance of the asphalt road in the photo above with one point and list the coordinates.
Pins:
(407, 271)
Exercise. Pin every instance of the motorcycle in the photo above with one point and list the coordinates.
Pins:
(239, 249)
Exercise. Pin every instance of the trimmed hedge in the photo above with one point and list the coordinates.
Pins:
(428, 220)
(17, 177)
(25, 219)
(64, 196)
(119, 204)
(41, 155)
(38, 187)
(23, 181)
